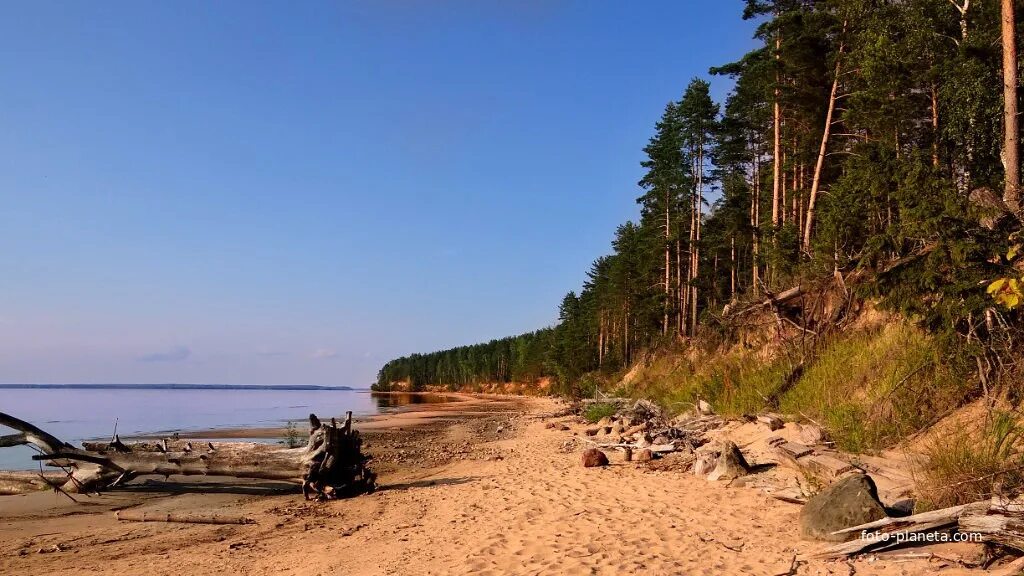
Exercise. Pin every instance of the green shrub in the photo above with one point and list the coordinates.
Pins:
(599, 410)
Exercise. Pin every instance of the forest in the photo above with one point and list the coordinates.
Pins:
(859, 134)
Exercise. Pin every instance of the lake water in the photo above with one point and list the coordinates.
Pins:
(74, 415)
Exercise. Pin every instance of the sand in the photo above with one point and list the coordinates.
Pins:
(467, 488)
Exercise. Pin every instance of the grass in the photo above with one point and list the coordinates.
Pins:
(595, 412)
(874, 388)
(870, 388)
(735, 382)
(967, 466)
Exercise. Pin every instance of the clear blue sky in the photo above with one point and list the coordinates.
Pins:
(272, 192)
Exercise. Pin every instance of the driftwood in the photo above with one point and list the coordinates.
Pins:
(24, 482)
(331, 463)
(998, 524)
(180, 517)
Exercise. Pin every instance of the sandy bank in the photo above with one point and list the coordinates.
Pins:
(475, 488)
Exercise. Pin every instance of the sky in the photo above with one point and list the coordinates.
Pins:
(295, 192)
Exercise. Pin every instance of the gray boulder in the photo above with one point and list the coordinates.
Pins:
(847, 502)
(730, 464)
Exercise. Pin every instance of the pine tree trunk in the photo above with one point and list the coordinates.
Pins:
(935, 126)
(680, 326)
(1011, 162)
(777, 141)
(695, 249)
(668, 263)
(816, 181)
(732, 269)
(755, 216)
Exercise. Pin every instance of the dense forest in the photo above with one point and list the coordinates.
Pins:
(860, 133)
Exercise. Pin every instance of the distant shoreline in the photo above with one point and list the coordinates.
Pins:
(174, 387)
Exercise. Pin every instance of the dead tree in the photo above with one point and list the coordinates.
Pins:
(331, 464)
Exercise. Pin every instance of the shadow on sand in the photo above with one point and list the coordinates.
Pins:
(427, 483)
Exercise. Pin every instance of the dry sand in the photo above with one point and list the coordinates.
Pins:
(468, 488)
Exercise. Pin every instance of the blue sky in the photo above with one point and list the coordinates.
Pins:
(243, 192)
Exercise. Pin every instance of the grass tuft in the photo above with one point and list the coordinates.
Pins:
(969, 466)
(596, 411)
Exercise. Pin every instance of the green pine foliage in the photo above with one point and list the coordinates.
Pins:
(914, 139)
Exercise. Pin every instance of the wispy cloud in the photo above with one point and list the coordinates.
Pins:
(323, 354)
(176, 354)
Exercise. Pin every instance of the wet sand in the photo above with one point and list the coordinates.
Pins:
(480, 487)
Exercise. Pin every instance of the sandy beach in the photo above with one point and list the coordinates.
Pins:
(473, 487)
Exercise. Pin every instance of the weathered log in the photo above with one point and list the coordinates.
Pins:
(24, 482)
(180, 517)
(332, 458)
(891, 531)
(997, 528)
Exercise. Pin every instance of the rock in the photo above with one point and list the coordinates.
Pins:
(704, 463)
(811, 435)
(642, 440)
(704, 408)
(594, 457)
(730, 464)
(847, 502)
(617, 430)
(639, 428)
(591, 431)
(644, 455)
(549, 425)
(500, 429)
(563, 427)
(662, 439)
(603, 422)
(772, 421)
(606, 430)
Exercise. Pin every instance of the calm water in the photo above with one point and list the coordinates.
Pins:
(76, 415)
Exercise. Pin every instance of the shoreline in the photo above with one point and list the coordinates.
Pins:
(491, 485)
(361, 422)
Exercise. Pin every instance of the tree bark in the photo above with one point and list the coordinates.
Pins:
(1011, 161)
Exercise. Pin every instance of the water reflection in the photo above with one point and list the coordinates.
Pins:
(388, 400)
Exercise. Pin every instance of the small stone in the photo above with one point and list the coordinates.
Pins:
(563, 428)
(704, 463)
(644, 455)
(591, 431)
(549, 425)
(593, 458)
(811, 435)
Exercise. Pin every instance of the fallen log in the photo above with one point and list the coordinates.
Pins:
(1005, 530)
(180, 517)
(25, 482)
(332, 458)
(889, 532)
